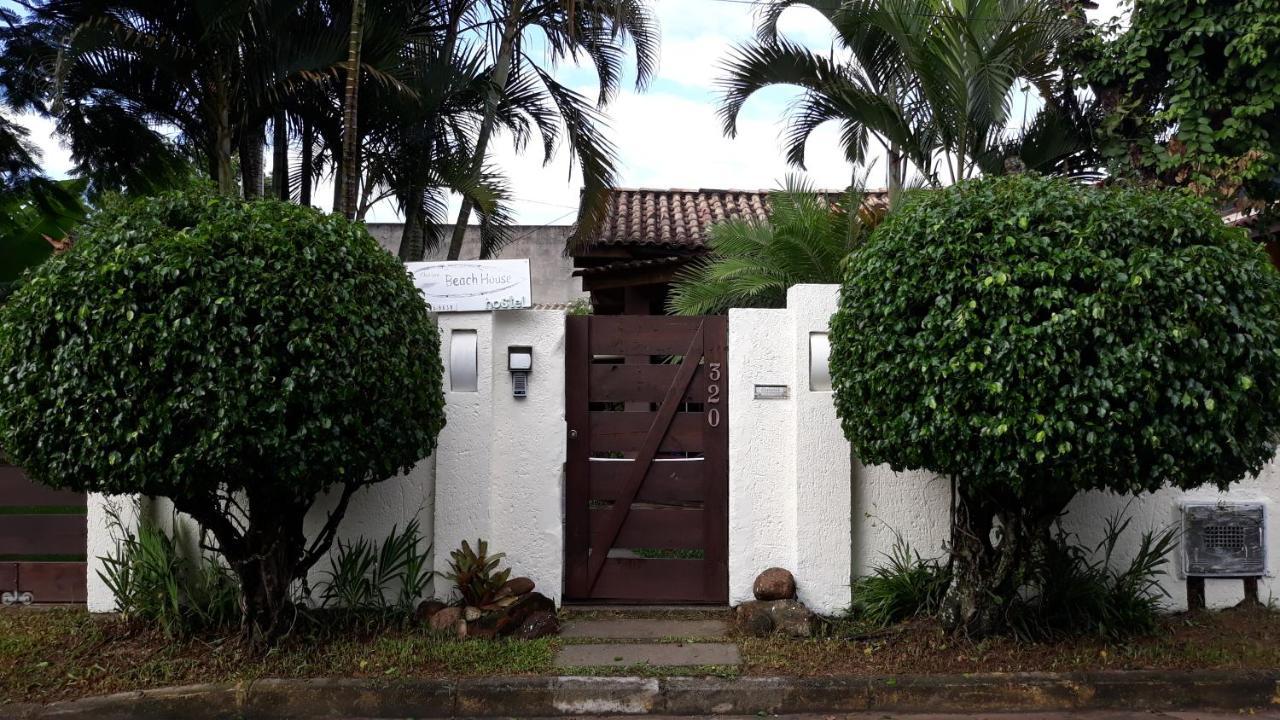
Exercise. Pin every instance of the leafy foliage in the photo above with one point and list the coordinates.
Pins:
(931, 82)
(1193, 95)
(34, 221)
(475, 573)
(1031, 338)
(362, 573)
(238, 358)
(752, 263)
(1029, 334)
(906, 586)
(1077, 590)
(151, 579)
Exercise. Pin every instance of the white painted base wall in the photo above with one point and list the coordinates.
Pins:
(791, 505)
(795, 499)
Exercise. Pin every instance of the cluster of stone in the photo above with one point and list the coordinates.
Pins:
(516, 611)
(775, 609)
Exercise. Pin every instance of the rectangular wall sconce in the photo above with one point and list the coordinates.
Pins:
(464, 370)
(819, 362)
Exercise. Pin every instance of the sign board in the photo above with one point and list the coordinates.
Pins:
(473, 285)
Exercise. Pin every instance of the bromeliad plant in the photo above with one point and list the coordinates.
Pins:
(475, 573)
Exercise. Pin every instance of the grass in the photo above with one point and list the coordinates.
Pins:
(66, 653)
(1228, 640)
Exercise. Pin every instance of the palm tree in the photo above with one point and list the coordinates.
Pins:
(598, 29)
(752, 263)
(140, 88)
(931, 81)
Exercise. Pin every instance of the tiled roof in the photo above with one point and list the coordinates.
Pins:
(678, 218)
(644, 264)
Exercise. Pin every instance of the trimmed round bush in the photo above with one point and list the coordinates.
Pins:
(222, 354)
(1031, 338)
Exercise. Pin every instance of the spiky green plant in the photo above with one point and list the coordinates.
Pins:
(362, 573)
(907, 586)
(753, 262)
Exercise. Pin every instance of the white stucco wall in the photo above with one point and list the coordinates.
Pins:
(502, 476)
(789, 487)
(789, 495)
(500, 464)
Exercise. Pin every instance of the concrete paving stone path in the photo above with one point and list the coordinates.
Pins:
(645, 629)
(625, 642)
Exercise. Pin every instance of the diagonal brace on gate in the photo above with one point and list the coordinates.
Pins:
(648, 451)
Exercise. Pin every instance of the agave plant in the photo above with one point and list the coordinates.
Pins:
(475, 573)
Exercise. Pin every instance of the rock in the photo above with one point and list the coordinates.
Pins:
(514, 617)
(775, 584)
(446, 619)
(471, 613)
(427, 610)
(753, 618)
(538, 624)
(514, 588)
(460, 628)
(481, 633)
(791, 617)
(499, 604)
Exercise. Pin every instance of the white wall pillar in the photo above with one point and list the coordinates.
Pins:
(462, 459)
(789, 493)
(526, 497)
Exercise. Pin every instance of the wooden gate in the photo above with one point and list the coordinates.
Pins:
(647, 496)
(42, 541)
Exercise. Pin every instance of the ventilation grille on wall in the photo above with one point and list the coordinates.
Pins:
(1224, 539)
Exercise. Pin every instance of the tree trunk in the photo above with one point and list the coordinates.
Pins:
(280, 156)
(308, 145)
(493, 97)
(274, 553)
(350, 105)
(223, 173)
(894, 159)
(411, 237)
(986, 572)
(252, 140)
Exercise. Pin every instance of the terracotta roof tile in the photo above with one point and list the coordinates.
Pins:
(679, 218)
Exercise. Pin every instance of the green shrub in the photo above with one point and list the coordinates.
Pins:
(362, 575)
(1074, 590)
(152, 580)
(906, 587)
(239, 358)
(1031, 338)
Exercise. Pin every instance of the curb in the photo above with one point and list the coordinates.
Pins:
(568, 696)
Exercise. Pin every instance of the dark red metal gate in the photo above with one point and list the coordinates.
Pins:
(42, 541)
(648, 474)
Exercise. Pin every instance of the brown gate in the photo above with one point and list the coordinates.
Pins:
(648, 474)
(42, 541)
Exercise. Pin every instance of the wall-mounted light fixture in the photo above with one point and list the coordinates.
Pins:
(520, 363)
(464, 370)
(819, 359)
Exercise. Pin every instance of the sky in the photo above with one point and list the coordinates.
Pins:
(668, 136)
